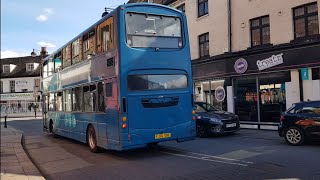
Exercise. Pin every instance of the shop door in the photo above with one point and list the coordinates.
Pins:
(246, 106)
(272, 97)
(272, 102)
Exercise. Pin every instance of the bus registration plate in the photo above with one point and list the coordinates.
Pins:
(162, 136)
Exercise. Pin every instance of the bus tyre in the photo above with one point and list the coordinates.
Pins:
(92, 139)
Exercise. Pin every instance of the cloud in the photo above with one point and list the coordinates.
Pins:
(42, 18)
(45, 15)
(11, 54)
(46, 44)
(48, 11)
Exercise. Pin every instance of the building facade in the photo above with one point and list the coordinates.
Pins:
(254, 57)
(19, 85)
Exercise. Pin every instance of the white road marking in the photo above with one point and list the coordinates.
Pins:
(205, 157)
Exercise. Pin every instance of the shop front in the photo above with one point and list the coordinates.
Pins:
(258, 86)
(18, 104)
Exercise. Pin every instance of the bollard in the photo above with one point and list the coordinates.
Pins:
(5, 121)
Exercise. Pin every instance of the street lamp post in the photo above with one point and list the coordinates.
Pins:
(36, 90)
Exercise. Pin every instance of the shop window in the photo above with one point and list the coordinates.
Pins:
(89, 98)
(215, 92)
(101, 105)
(306, 21)
(77, 99)
(67, 102)
(204, 45)
(260, 31)
(109, 89)
(202, 7)
(29, 67)
(315, 73)
(12, 86)
(182, 7)
(59, 106)
(6, 68)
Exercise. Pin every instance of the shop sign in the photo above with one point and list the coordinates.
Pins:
(270, 62)
(220, 93)
(17, 96)
(304, 73)
(241, 66)
(21, 83)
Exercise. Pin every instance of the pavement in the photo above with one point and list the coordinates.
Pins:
(15, 163)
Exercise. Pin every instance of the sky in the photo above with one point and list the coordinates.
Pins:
(31, 24)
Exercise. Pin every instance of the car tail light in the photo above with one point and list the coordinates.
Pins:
(281, 118)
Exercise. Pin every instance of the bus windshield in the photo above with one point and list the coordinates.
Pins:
(157, 31)
(156, 82)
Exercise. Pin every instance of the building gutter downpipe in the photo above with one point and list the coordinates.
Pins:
(229, 27)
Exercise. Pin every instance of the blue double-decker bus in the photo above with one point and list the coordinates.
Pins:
(123, 83)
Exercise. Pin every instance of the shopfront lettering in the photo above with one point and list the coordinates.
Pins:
(270, 62)
(17, 96)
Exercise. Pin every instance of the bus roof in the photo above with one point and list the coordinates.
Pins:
(106, 17)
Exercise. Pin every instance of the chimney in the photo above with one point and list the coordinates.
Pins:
(44, 51)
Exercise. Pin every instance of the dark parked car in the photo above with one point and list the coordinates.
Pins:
(301, 122)
(211, 120)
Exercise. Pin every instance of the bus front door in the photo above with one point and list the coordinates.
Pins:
(44, 113)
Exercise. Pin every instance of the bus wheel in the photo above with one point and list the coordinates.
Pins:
(92, 139)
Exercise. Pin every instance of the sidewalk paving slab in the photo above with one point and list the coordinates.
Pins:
(15, 163)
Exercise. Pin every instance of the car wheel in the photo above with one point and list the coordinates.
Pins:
(92, 139)
(201, 131)
(294, 136)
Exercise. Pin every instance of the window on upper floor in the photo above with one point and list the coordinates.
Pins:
(6, 68)
(12, 86)
(182, 7)
(204, 45)
(29, 67)
(306, 21)
(202, 7)
(260, 31)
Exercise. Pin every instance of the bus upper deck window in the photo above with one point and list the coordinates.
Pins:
(156, 31)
